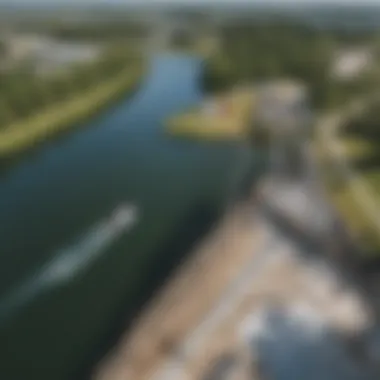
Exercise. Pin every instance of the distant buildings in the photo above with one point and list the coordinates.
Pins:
(43, 54)
(19, 48)
(54, 56)
(350, 63)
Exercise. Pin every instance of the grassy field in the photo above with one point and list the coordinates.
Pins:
(357, 151)
(362, 156)
(229, 119)
(24, 134)
(357, 148)
(357, 221)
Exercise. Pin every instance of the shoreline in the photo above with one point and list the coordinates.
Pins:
(159, 258)
(142, 348)
(23, 135)
(220, 117)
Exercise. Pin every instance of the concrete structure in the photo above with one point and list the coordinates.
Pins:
(284, 115)
(283, 105)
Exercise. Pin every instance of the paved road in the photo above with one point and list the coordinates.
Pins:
(174, 367)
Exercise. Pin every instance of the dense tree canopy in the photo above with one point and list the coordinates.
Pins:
(264, 51)
(3, 49)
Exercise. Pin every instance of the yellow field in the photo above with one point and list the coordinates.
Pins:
(234, 123)
(343, 197)
(355, 148)
(357, 221)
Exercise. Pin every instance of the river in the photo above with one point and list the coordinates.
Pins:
(68, 278)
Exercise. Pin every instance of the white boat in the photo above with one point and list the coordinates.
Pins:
(125, 215)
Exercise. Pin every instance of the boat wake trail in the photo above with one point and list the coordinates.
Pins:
(69, 262)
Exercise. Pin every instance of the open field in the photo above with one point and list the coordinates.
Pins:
(357, 221)
(225, 117)
(348, 190)
(356, 148)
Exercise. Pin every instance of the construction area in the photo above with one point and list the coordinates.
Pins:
(248, 305)
(265, 296)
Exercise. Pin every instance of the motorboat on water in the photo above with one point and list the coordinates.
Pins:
(125, 215)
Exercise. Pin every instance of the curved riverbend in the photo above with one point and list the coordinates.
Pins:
(56, 214)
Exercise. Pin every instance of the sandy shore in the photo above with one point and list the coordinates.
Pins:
(183, 302)
(233, 275)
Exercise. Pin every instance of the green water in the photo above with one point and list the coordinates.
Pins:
(52, 202)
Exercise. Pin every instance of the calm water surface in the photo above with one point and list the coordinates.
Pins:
(66, 270)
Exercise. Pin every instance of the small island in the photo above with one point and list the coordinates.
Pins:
(226, 116)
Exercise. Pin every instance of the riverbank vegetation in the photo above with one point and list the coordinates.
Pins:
(35, 108)
(226, 116)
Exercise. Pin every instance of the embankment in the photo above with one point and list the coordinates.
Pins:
(226, 116)
(23, 135)
(179, 306)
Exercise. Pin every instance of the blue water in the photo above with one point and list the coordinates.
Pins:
(52, 202)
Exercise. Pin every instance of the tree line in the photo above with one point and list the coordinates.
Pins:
(23, 93)
(104, 31)
(257, 52)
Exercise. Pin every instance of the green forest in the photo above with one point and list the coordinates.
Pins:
(257, 52)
